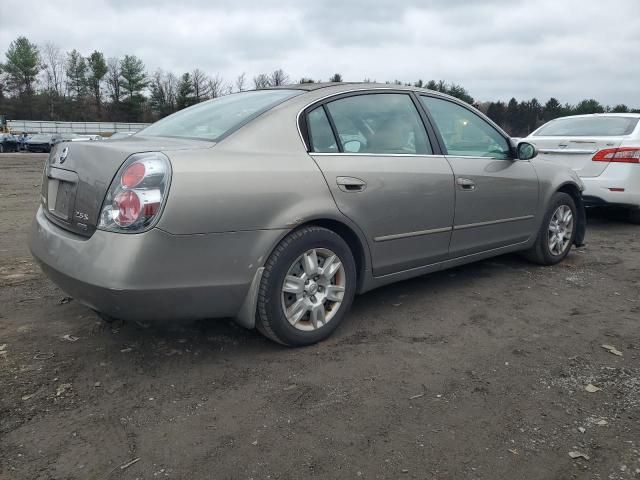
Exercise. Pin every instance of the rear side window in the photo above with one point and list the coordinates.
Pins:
(376, 123)
(588, 127)
(213, 119)
(320, 133)
(465, 133)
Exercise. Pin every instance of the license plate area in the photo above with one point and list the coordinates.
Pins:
(61, 194)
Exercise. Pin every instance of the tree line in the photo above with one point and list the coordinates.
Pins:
(41, 82)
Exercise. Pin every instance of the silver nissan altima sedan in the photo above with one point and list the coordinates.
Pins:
(277, 206)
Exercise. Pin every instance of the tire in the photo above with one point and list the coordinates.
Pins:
(1, 148)
(310, 293)
(634, 216)
(544, 250)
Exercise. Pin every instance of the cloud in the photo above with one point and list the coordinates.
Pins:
(497, 49)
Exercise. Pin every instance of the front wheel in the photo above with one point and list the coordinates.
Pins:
(557, 233)
(307, 287)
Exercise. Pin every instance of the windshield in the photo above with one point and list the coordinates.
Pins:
(588, 127)
(213, 119)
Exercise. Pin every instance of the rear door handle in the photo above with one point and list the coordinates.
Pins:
(351, 184)
(466, 184)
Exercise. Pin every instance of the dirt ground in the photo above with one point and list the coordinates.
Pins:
(473, 373)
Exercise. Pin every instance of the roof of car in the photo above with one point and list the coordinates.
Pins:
(309, 87)
(632, 115)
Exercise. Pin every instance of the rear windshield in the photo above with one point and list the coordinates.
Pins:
(588, 127)
(213, 119)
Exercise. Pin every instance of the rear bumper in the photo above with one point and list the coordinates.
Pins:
(153, 275)
(617, 176)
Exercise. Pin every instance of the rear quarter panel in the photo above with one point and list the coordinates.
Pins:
(260, 177)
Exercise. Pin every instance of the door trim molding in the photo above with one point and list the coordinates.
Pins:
(492, 222)
(362, 154)
(398, 236)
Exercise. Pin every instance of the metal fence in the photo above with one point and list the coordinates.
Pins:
(31, 126)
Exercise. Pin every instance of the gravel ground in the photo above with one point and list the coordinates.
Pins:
(476, 373)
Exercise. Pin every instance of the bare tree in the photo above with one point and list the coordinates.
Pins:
(163, 92)
(171, 87)
(200, 85)
(261, 81)
(278, 77)
(216, 87)
(53, 76)
(113, 79)
(53, 68)
(240, 81)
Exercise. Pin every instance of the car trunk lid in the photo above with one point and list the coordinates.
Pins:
(575, 152)
(77, 176)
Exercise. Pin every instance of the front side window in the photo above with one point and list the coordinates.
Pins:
(211, 120)
(588, 127)
(385, 123)
(464, 133)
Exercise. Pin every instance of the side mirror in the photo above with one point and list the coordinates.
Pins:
(526, 151)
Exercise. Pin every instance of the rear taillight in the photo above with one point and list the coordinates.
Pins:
(133, 175)
(137, 193)
(618, 155)
(127, 205)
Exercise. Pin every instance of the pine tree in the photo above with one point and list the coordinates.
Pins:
(97, 69)
(185, 97)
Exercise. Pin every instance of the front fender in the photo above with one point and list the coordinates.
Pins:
(554, 178)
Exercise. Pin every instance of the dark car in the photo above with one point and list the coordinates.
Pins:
(8, 143)
(40, 142)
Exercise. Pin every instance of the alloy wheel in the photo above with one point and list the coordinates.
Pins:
(313, 289)
(560, 230)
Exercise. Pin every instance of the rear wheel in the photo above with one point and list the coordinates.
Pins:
(634, 216)
(307, 287)
(557, 232)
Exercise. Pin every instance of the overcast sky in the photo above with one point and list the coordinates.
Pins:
(570, 49)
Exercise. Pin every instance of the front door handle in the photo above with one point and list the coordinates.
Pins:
(466, 184)
(351, 184)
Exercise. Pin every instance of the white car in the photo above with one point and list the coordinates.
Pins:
(603, 149)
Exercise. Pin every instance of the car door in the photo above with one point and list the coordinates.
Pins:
(496, 194)
(377, 158)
